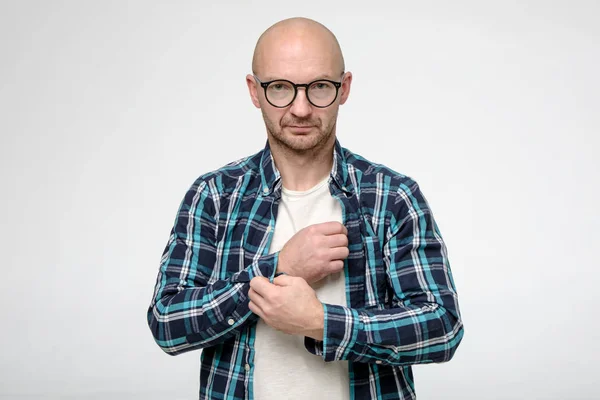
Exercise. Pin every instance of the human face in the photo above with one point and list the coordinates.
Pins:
(300, 127)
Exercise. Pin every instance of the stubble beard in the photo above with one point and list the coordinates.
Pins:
(301, 144)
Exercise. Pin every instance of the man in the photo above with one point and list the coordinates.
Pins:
(305, 271)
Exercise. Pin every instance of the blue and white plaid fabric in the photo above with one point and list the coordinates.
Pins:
(402, 305)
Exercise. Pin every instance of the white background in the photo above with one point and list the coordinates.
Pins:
(110, 109)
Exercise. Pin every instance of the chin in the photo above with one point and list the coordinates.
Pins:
(303, 142)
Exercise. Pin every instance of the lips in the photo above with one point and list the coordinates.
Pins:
(300, 129)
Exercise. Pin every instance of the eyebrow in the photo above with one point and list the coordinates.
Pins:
(318, 77)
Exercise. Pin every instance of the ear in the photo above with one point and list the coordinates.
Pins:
(345, 89)
(252, 88)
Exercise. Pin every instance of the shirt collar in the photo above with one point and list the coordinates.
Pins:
(270, 176)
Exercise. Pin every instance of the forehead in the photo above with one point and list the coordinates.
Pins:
(299, 59)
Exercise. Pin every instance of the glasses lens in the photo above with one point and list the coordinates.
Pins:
(280, 93)
(321, 93)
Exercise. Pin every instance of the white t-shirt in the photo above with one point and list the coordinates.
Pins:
(284, 369)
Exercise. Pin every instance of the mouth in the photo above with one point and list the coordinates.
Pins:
(300, 128)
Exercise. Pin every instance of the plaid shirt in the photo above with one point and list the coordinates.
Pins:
(401, 302)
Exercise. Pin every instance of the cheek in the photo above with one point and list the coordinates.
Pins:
(326, 116)
(277, 116)
(273, 116)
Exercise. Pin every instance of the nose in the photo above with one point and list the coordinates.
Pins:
(300, 106)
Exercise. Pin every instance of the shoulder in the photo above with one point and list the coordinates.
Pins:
(222, 182)
(381, 189)
(369, 174)
(227, 177)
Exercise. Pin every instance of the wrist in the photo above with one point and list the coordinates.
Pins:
(317, 329)
(280, 267)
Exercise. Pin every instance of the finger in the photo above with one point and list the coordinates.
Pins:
(256, 309)
(253, 294)
(256, 298)
(338, 253)
(261, 285)
(258, 278)
(336, 266)
(338, 240)
(331, 228)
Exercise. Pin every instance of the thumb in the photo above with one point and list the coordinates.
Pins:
(284, 280)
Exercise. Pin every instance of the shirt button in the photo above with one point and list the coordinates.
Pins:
(231, 321)
(266, 191)
(269, 228)
(344, 188)
(378, 362)
(247, 367)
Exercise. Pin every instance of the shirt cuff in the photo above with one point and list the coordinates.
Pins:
(340, 334)
(264, 266)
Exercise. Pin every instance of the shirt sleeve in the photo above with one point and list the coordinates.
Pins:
(192, 307)
(423, 323)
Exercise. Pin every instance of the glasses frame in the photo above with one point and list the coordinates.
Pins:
(264, 85)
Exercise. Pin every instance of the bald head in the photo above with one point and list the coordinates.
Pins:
(300, 41)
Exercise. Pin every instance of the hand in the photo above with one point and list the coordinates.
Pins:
(288, 304)
(315, 251)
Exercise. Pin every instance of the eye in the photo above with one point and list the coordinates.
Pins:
(321, 86)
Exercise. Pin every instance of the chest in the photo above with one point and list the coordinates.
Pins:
(250, 228)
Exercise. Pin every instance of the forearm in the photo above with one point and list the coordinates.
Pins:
(184, 319)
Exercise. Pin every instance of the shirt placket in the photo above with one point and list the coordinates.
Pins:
(250, 336)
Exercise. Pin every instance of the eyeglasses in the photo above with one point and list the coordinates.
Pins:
(281, 93)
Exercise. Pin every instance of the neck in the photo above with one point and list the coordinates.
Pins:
(303, 170)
